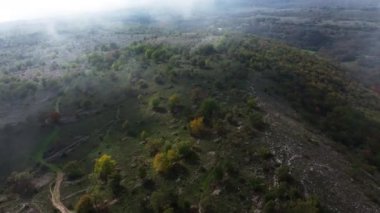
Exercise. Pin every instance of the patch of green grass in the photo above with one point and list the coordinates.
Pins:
(43, 146)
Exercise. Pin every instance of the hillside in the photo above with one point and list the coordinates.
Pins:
(202, 123)
(307, 3)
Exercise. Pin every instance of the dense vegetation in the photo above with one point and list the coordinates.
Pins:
(322, 92)
(184, 126)
(318, 89)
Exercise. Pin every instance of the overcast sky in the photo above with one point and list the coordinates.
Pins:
(11, 10)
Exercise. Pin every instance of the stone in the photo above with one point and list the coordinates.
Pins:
(216, 192)
(211, 153)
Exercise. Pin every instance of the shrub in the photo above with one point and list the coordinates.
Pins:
(197, 127)
(264, 153)
(174, 101)
(257, 184)
(197, 94)
(218, 173)
(133, 129)
(283, 190)
(86, 104)
(269, 207)
(184, 149)
(270, 195)
(114, 183)
(161, 163)
(159, 79)
(161, 54)
(310, 205)
(349, 126)
(172, 155)
(206, 49)
(104, 167)
(74, 170)
(257, 120)
(162, 200)
(21, 183)
(85, 204)
(154, 146)
(251, 103)
(283, 174)
(164, 161)
(142, 84)
(142, 172)
(208, 204)
(209, 108)
(220, 128)
(155, 102)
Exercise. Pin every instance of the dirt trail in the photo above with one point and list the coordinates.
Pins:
(56, 194)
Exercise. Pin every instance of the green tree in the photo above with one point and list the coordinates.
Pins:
(209, 108)
(85, 205)
(174, 101)
(155, 102)
(104, 167)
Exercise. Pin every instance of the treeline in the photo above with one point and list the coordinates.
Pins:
(114, 58)
(13, 88)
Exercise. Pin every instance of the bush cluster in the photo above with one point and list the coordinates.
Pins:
(198, 127)
(105, 166)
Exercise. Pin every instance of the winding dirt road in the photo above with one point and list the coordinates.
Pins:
(56, 194)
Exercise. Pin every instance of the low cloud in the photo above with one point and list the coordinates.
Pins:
(33, 9)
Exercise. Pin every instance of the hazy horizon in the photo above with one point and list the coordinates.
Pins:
(21, 10)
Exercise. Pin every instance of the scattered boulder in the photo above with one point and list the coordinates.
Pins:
(216, 192)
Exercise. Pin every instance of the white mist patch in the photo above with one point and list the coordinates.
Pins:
(33, 9)
(184, 8)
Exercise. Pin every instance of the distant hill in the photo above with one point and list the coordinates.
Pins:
(306, 3)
